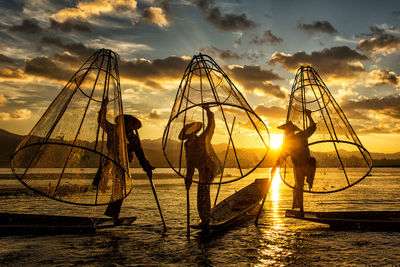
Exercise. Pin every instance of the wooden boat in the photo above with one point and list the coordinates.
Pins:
(238, 207)
(353, 220)
(37, 224)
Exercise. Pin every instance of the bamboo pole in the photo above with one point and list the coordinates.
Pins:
(187, 214)
(150, 176)
(263, 201)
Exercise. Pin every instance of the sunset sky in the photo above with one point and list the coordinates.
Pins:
(353, 45)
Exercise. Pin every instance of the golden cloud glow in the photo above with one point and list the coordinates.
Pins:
(84, 10)
(155, 15)
(3, 99)
(19, 114)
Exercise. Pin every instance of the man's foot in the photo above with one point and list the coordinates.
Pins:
(298, 213)
(310, 182)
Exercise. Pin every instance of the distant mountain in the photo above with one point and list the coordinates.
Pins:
(8, 143)
(154, 153)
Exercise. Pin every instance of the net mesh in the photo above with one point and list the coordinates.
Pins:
(240, 140)
(75, 153)
(342, 161)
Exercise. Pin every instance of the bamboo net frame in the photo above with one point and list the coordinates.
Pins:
(342, 161)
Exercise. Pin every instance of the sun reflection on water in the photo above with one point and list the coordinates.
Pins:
(275, 197)
(276, 181)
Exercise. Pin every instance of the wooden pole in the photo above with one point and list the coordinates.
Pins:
(263, 201)
(150, 176)
(158, 203)
(259, 211)
(187, 214)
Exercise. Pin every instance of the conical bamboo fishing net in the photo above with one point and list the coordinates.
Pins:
(240, 139)
(75, 153)
(342, 161)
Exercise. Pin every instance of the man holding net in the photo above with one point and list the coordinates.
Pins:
(132, 124)
(295, 145)
(200, 155)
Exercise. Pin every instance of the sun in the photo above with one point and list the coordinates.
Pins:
(276, 141)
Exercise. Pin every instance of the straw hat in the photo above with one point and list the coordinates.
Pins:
(189, 129)
(131, 123)
(289, 126)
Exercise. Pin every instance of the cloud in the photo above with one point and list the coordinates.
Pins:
(224, 54)
(253, 79)
(224, 22)
(4, 60)
(317, 26)
(123, 48)
(47, 67)
(11, 73)
(203, 5)
(336, 62)
(154, 114)
(155, 73)
(145, 71)
(28, 26)
(162, 17)
(19, 114)
(229, 22)
(380, 42)
(76, 48)
(387, 106)
(84, 10)
(356, 115)
(68, 59)
(227, 54)
(156, 15)
(69, 25)
(380, 129)
(254, 73)
(383, 76)
(238, 42)
(3, 99)
(167, 10)
(273, 112)
(267, 38)
(384, 44)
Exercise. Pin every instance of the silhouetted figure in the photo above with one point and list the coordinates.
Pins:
(200, 155)
(295, 145)
(132, 124)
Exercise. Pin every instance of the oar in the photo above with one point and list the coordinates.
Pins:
(150, 176)
(187, 214)
(158, 204)
(263, 201)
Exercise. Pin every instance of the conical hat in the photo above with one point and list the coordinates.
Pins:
(289, 126)
(131, 123)
(189, 129)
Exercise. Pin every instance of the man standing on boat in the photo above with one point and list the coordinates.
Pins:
(132, 124)
(295, 145)
(200, 155)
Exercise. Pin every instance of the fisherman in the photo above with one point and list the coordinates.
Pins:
(132, 124)
(295, 145)
(200, 155)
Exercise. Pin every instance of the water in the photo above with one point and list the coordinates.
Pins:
(277, 241)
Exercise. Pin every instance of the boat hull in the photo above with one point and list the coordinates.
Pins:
(354, 220)
(238, 207)
(37, 224)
